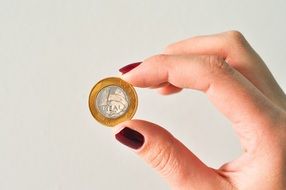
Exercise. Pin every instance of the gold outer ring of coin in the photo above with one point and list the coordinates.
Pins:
(130, 92)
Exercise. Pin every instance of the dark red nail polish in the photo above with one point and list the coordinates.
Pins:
(129, 67)
(130, 138)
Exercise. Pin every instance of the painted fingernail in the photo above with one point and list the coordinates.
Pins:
(129, 67)
(130, 138)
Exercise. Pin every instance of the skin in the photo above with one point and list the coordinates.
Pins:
(238, 83)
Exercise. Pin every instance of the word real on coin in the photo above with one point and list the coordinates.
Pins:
(112, 101)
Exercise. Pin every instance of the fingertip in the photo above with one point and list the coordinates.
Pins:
(117, 129)
(127, 73)
(126, 77)
(135, 124)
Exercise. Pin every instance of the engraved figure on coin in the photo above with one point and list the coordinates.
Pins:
(112, 101)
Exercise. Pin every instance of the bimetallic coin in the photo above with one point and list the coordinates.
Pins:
(112, 101)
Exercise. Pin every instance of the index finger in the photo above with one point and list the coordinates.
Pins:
(237, 52)
(230, 91)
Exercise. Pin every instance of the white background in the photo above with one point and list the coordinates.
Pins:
(51, 54)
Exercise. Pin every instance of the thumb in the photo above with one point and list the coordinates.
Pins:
(175, 162)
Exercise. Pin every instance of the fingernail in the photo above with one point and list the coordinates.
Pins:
(130, 138)
(129, 67)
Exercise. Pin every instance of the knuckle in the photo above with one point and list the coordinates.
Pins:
(217, 65)
(164, 160)
(235, 37)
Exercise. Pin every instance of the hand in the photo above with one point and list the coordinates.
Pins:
(236, 80)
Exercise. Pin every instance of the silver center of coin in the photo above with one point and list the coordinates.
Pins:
(112, 101)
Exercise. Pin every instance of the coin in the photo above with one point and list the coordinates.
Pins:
(112, 101)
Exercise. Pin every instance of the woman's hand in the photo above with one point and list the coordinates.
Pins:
(236, 80)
